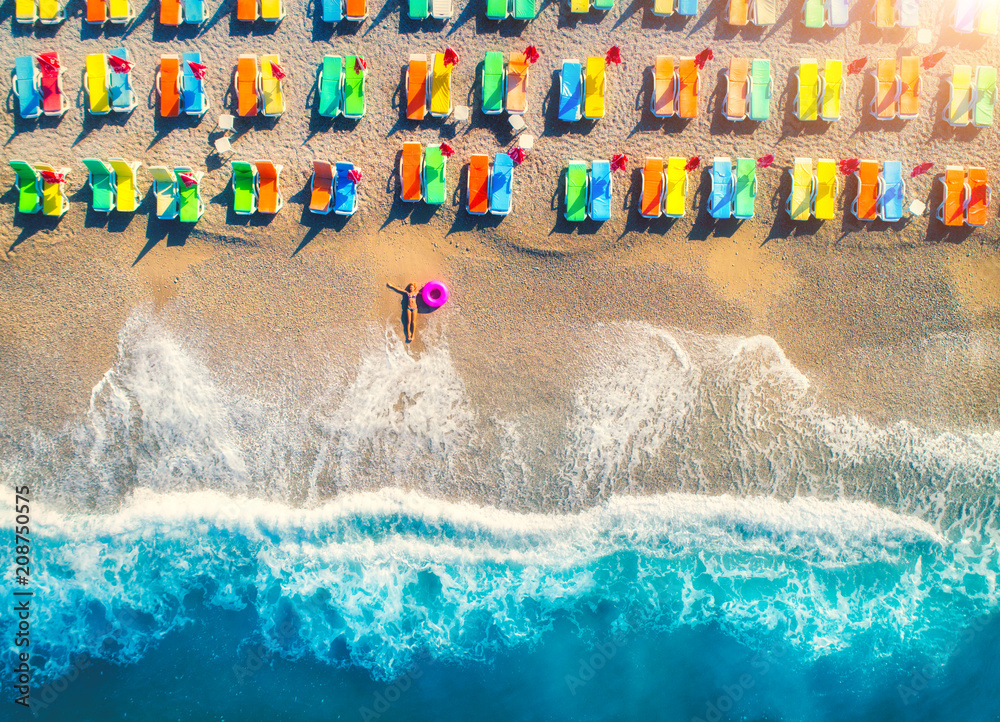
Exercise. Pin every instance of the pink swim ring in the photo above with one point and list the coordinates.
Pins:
(435, 294)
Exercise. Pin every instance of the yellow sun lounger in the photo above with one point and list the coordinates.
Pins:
(763, 12)
(271, 89)
(593, 93)
(807, 98)
(675, 203)
(50, 12)
(959, 110)
(664, 101)
(96, 83)
(884, 13)
(800, 199)
(827, 186)
(664, 7)
(26, 11)
(833, 90)
(54, 200)
(441, 106)
(127, 197)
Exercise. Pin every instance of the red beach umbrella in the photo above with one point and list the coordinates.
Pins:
(360, 64)
(120, 65)
(355, 175)
(856, 66)
(849, 165)
(517, 155)
(703, 57)
(920, 169)
(693, 163)
(278, 71)
(200, 71)
(619, 161)
(929, 61)
(531, 53)
(50, 63)
(613, 56)
(765, 161)
(188, 179)
(450, 57)
(447, 151)
(52, 177)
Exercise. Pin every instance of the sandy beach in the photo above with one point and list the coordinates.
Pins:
(889, 320)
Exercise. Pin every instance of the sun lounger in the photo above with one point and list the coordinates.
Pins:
(884, 13)
(599, 206)
(745, 192)
(127, 196)
(26, 11)
(168, 83)
(54, 100)
(50, 12)
(838, 13)
(270, 87)
(909, 13)
(833, 90)
(978, 197)
(501, 185)
(244, 182)
(269, 198)
(813, 13)
(720, 200)
(247, 10)
(345, 199)
(96, 12)
(759, 105)
(986, 95)
(246, 86)
(194, 12)
(664, 8)
(55, 203)
(120, 12)
(893, 191)
(964, 17)
(171, 12)
(493, 82)
(356, 10)
(687, 88)
(579, 6)
(165, 191)
(419, 9)
(887, 89)
(497, 9)
(653, 183)
(479, 183)
(190, 206)
(122, 97)
(603, 5)
(525, 10)
(826, 188)
(411, 166)
(272, 11)
(321, 188)
(763, 12)
(675, 197)
(194, 99)
(442, 9)
(593, 89)
(800, 197)
(910, 86)
(27, 87)
(103, 185)
(96, 82)
(951, 212)
(738, 12)
(29, 187)
(806, 102)
(434, 169)
(687, 7)
(516, 84)
(441, 105)
(663, 102)
(355, 80)
(570, 90)
(959, 110)
(986, 23)
(865, 206)
(333, 10)
(737, 85)
(576, 191)
(416, 87)
(331, 86)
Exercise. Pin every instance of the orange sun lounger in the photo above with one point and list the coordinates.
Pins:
(479, 181)
(979, 197)
(687, 93)
(168, 84)
(97, 11)
(246, 86)
(517, 83)
(739, 12)
(410, 171)
(652, 188)
(269, 198)
(951, 210)
(866, 204)
(321, 193)
(171, 12)
(737, 88)
(247, 10)
(664, 101)
(910, 86)
(887, 89)
(356, 10)
(416, 87)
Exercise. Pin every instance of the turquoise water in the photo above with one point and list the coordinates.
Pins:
(192, 562)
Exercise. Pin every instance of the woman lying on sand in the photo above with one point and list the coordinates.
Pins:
(411, 307)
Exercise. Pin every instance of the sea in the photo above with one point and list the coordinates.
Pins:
(695, 536)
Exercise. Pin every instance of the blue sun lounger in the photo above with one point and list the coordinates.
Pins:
(123, 99)
(687, 7)
(194, 12)
(29, 97)
(720, 202)
(345, 199)
(333, 11)
(570, 90)
(501, 184)
(890, 201)
(193, 97)
(599, 205)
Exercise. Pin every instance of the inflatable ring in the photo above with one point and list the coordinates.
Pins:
(435, 294)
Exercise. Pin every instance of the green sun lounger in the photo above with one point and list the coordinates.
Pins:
(814, 14)
(493, 83)
(244, 188)
(419, 9)
(29, 187)
(496, 9)
(434, 178)
(986, 95)
(354, 88)
(746, 188)
(102, 184)
(525, 10)
(576, 191)
(331, 86)
(760, 90)
(604, 4)
(189, 204)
